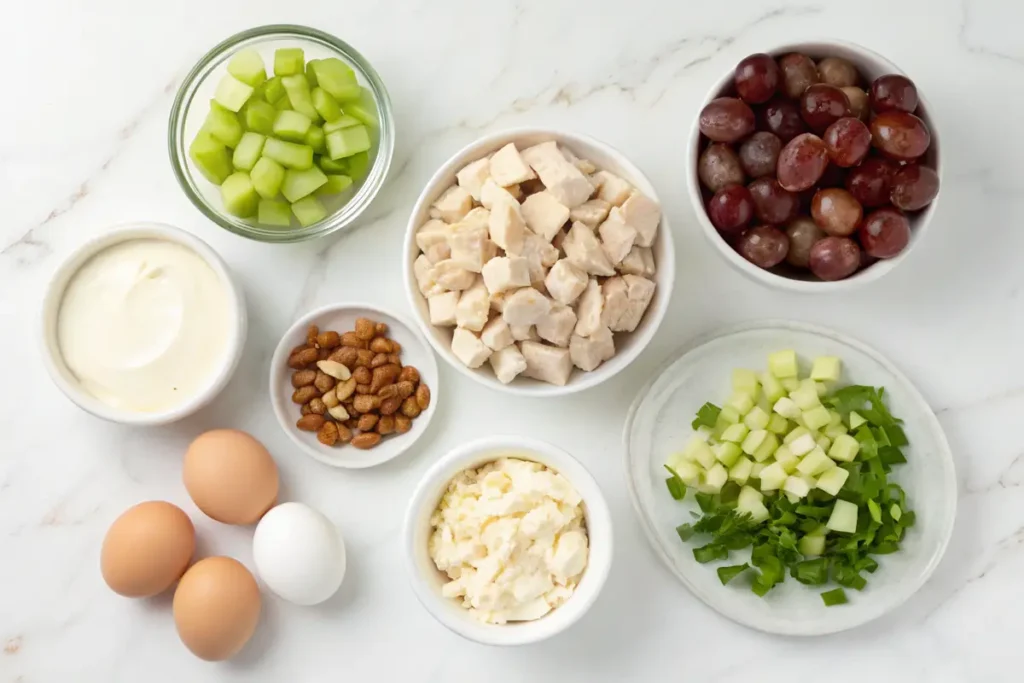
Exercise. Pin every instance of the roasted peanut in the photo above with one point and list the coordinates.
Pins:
(329, 339)
(303, 358)
(386, 425)
(366, 403)
(362, 389)
(380, 329)
(366, 440)
(350, 339)
(345, 355)
(323, 381)
(409, 374)
(365, 329)
(362, 375)
(352, 422)
(423, 396)
(390, 406)
(405, 389)
(330, 399)
(379, 360)
(302, 378)
(305, 409)
(296, 349)
(396, 348)
(393, 358)
(311, 333)
(339, 413)
(328, 434)
(322, 353)
(402, 424)
(317, 406)
(311, 422)
(364, 357)
(383, 376)
(334, 369)
(305, 394)
(345, 389)
(344, 433)
(390, 391)
(380, 345)
(410, 408)
(367, 423)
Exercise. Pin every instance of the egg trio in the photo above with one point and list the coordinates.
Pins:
(232, 478)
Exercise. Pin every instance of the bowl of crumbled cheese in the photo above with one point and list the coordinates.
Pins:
(508, 540)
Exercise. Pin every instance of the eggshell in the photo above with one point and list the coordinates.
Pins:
(230, 476)
(147, 549)
(216, 608)
(299, 554)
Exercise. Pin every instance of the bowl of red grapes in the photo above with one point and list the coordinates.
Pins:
(816, 165)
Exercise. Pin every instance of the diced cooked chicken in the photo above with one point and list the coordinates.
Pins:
(496, 334)
(468, 348)
(525, 307)
(432, 232)
(474, 307)
(473, 176)
(585, 167)
(589, 309)
(616, 238)
(524, 332)
(559, 239)
(507, 228)
(589, 352)
(584, 251)
(478, 217)
(422, 269)
(507, 363)
(616, 301)
(442, 308)
(506, 272)
(565, 282)
(611, 188)
(453, 276)
(508, 168)
(591, 212)
(544, 214)
(557, 326)
(454, 204)
(564, 181)
(639, 261)
(642, 214)
(640, 293)
(546, 363)
(434, 213)
(539, 254)
(471, 246)
(438, 252)
(516, 191)
(498, 301)
(492, 194)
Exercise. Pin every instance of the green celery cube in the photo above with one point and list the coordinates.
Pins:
(231, 93)
(342, 121)
(292, 126)
(298, 184)
(337, 78)
(248, 151)
(297, 88)
(288, 61)
(365, 109)
(272, 212)
(327, 106)
(309, 210)
(745, 381)
(316, 139)
(783, 364)
(211, 157)
(335, 184)
(289, 154)
(247, 66)
(259, 116)
(826, 369)
(273, 90)
(240, 198)
(358, 165)
(347, 141)
(223, 125)
(267, 176)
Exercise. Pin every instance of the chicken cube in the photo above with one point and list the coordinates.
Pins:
(589, 352)
(442, 308)
(507, 363)
(640, 293)
(583, 165)
(468, 348)
(422, 269)
(564, 181)
(525, 307)
(591, 212)
(639, 261)
(584, 251)
(589, 309)
(506, 272)
(615, 293)
(540, 255)
(524, 332)
(544, 214)
(565, 282)
(451, 275)
(546, 363)
(559, 239)
(616, 238)
(611, 188)
(473, 176)
(498, 301)
(507, 228)
(492, 194)
(478, 217)
(432, 232)
(470, 246)
(642, 214)
(557, 326)
(508, 168)
(474, 307)
(454, 204)
(497, 334)
(438, 252)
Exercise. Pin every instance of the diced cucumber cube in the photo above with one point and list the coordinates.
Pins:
(259, 116)
(824, 443)
(772, 387)
(698, 450)
(803, 445)
(299, 95)
(347, 141)
(773, 477)
(247, 66)
(792, 498)
(334, 185)
(689, 472)
(211, 157)
(844, 448)
(735, 433)
(778, 424)
(309, 210)
(358, 165)
(790, 384)
(740, 471)
(757, 418)
(248, 152)
(223, 125)
(832, 431)
(727, 453)
(289, 154)
(714, 479)
(231, 93)
(826, 369)
(288, 61)
(812, 545)
(834, 419)
(816, 418)
(273, 90)
(327, 106)
(750, 502)
(337, 78)
(795, 434)
(786, 460)
(831, 481)
(745, 381)
(786, 408)
(310, 74)
(754, 440)
(341, 122)
(292, 125)
(743, 403)
(818, 388)
(755, 471)
(267, 176)
(798, 486)
(273, 212)
(316, 139)
(806, 398)
(814, 463)
(767, 447)
(299, 184)
(240, 198)
(856, 420)
(727, 416)
(843, 518)
(782, 364)
(365, 109)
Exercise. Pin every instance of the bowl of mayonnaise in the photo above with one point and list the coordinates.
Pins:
(142, 325)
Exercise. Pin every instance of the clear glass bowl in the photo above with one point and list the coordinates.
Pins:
(198, 90)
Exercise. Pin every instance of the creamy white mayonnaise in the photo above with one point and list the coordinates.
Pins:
(145, 325)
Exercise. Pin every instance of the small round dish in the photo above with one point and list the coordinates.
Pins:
(66, 380)
(191, 105)
(628, 345)
(427, 580)
(342, 318)
(700, 373)
(871, 65)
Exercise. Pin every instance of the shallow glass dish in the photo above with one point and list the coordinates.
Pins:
(192, 104)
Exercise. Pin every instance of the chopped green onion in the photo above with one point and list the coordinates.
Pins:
(811, 572)
(676, 487)
(685, 532)
(706, 416)
(727, 574)
(710, 553)
(836, 596)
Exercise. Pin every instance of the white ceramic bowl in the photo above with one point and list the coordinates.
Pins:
(659, 424)
(871, 65)
(66, 380)
(342, 318)
(427, 580)
(627, 345)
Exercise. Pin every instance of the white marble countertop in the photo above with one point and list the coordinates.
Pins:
(87, 90)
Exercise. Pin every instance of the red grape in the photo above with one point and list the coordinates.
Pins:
(913, 187)
(848, 141)
(757, 77)
(764, 246)
(885, 233)
(838, 72)
(801, 162)
(726, 119)
(893, 93)
(759, 154)
(836, 211)
(798, 72)
(834, 258)
(803, 233)
(772, 204)
(900, 135)
(731, 209)
(822, 105)
(719, 166)
(869, 183)
(782, 117)
(858, 102)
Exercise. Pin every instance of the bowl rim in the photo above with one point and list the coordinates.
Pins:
(53, 296)
(428, 493)
(276, 379)
(344, 216)
(664, 278)
(869, 274)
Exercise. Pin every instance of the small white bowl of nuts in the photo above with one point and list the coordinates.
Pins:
(353, 385)
(539, 262)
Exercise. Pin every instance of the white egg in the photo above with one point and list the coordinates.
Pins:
(299, 554)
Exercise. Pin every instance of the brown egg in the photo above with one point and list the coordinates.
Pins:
(230, 476)
(216, 608)
(147, 549)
